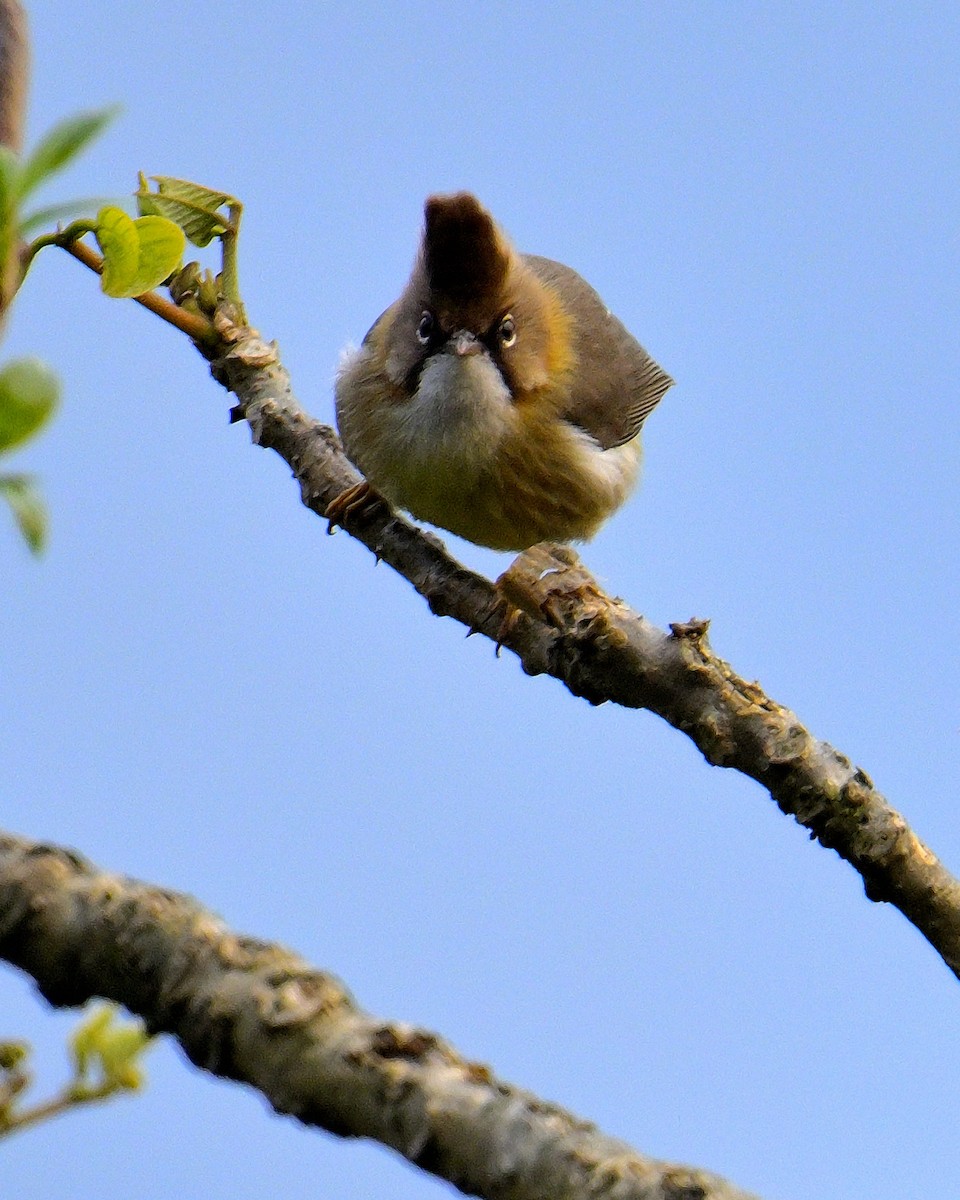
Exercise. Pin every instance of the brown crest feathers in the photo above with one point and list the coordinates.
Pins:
(464, 253)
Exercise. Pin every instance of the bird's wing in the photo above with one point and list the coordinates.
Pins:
(618, 383)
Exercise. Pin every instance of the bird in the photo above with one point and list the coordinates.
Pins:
(498, 397)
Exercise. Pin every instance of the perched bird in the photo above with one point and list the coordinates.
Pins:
(497, 397)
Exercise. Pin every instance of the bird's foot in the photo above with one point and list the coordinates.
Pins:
(354, 501)
(549, 583)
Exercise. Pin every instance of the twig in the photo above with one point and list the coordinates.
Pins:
(64, 1102)
(193, 325)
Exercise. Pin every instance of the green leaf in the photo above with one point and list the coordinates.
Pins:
(62, 144)
(106, 1046)
(85, 1039)
(29, 391)
(161, 251)
(28, 509)
(120, 246)
(137, 254)
(190, 205)
(9, 180)
(46, 218)
(120, 1047)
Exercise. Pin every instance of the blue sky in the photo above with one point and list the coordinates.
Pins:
(202, 690)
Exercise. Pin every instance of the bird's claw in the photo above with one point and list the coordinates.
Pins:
(352, 502)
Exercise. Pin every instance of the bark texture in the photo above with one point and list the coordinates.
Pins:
(250, 1010)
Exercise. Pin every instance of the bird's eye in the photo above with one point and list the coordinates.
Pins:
(426, 327)
(507, 331)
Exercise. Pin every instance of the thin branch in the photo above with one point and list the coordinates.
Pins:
(603, 651)
(64, 1102)
(252, 1011)
(192, 324)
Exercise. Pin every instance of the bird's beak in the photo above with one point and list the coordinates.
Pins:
(464, 343)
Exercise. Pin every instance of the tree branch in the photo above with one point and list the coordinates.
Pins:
(192, 324)
(601, 650)
(252, 1011)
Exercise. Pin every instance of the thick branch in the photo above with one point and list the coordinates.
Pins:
(252, 1011)
(602, 650)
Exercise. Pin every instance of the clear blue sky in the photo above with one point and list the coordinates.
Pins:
(201, 689)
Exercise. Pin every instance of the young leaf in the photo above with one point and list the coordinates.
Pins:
(63, 143)
(120, 247)
(104, 1046)
(28, 396)
(161, 246)
(137, 254)
(188, 191)
(28, 509)
(86, 1036)
(190, 205)
(120, 1048)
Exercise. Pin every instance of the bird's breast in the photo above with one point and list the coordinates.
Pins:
(462, 453)
(455, 421)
